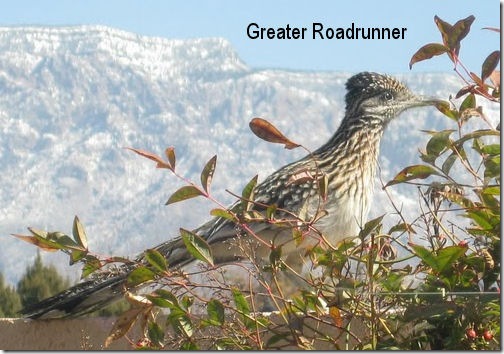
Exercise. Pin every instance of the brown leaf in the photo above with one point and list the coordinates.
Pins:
(476, 79)
(490, 64)
(427, 52)
(495, 78)
(471, 112)
(301, 176)
(444, 28)
(459, 30)
(122, 325)
(335, 314)
(444, 107)
(494, 29)
(170, 154)
(79, 233)
(452, 35)
(207, 173)
(267, 131)
(37, 242)
(153, 157)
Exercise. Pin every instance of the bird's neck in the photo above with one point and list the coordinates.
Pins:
(355, 138)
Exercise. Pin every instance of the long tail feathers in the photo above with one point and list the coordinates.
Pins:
(80, 299)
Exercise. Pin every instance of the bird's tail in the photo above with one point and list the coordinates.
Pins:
(80, 299)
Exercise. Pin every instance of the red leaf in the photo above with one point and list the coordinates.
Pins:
(464, 90)
(267, 131)
(495, 78)
(427, 52)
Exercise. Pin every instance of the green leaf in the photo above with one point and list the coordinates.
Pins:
(168, 297)
(425, 255)
(323, 182)
(426, 52)
(79, 233)
(401, 228)
(492, 167)
(480, 218)
(76, 256)
(207, 173)
(183, 193)
(448, 255)
(370, 226)
(156, 260)
(156, 334)
(140, 275)
(445, 108)
(275, 255)
(186, 302)
(242, 306)
(215, 311)
(490, 64)
(443, 260)
(491, 149)
(248, 193)
(491, 190)
(92, 264)
(439, 142)
(181, 323)
(222, 213)
(468, 103)
(64, 241)
(197, 246)
(432, 310)
(270, 211)
(159, 301)
(448, 163)
(413, 172)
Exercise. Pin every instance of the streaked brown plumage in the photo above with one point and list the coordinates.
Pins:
(348, 160)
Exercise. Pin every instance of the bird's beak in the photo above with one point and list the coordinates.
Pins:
(420, 101)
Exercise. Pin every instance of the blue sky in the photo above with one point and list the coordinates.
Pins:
(229, 19)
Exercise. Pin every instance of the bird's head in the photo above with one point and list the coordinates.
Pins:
(381, 97)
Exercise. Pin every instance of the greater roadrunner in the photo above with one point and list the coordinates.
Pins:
(348, 162)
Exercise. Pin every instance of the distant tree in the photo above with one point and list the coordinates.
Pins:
(40, 282)
(10, 302)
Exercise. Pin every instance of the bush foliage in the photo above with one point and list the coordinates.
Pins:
(428, 283)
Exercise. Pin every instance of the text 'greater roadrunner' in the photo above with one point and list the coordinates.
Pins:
(348, 161)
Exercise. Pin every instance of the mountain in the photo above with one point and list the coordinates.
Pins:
(71, 99)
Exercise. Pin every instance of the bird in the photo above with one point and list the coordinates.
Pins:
(347, 163)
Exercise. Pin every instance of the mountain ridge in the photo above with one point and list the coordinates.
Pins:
(67, 114)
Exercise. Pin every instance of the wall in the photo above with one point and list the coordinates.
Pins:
(90, 334)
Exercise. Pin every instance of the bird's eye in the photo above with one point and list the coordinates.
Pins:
(387, 96)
